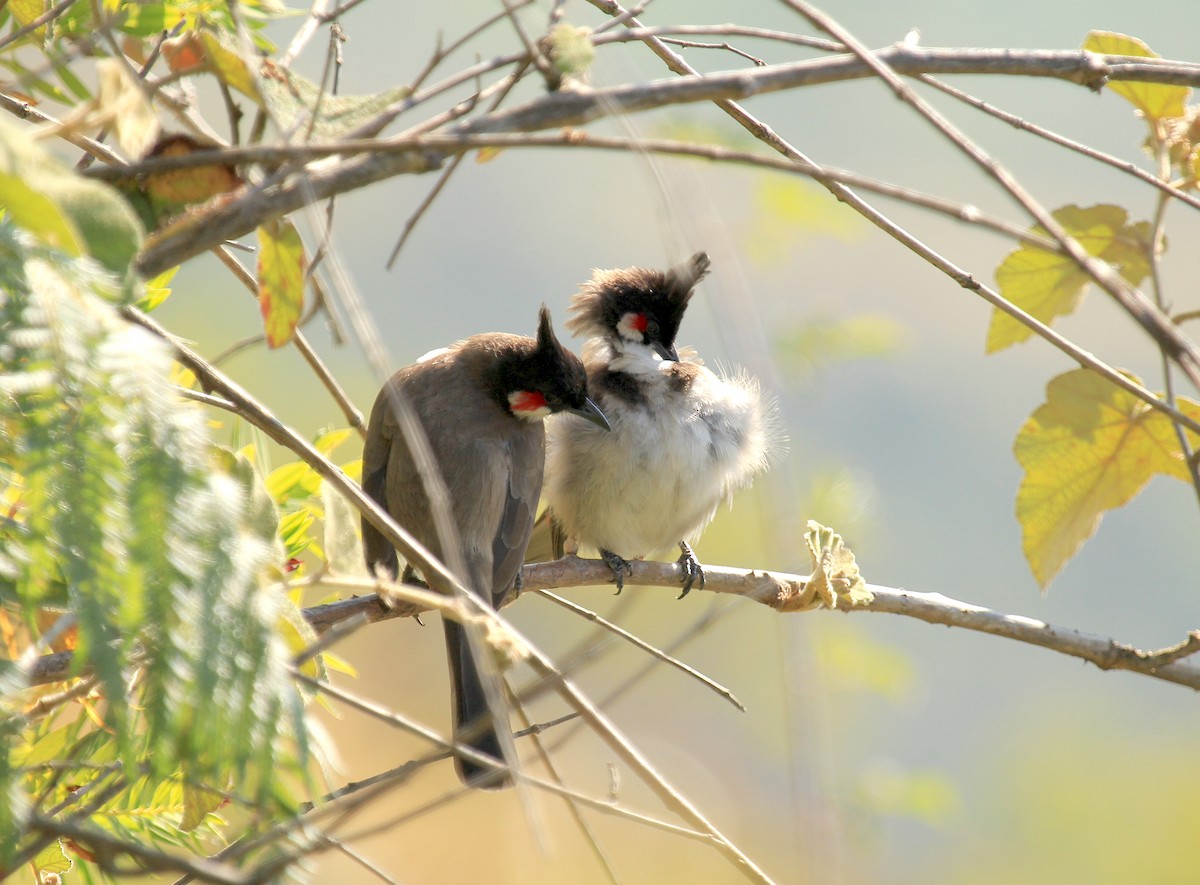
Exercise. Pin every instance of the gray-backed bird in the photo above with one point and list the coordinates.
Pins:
(683, 438)
(481, 403)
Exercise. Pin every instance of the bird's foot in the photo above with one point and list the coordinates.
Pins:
(620, 568)
(691, 568)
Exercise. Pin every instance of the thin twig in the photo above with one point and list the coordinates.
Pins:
(1181, 349)
(848, 196)
(534, 732)
(777, 590)
(107, 847)
(328, 380)
(1020, 123)
(651, 650)
(45, 18)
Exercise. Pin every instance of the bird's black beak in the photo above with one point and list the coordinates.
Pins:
(667, 353)
(591, 412)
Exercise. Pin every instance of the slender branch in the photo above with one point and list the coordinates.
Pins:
(353, 416)
(776, 590)
(589, 615)
(1181, 349)
(108, 847)
(23, 110)
(554, 111)
(726, 30)
(45, 18)
(576, 108)
(848, 196)
(1020, 123)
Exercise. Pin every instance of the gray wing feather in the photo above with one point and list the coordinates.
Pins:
(520, 510)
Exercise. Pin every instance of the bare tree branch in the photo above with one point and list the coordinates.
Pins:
(240, 215)
(781, 592)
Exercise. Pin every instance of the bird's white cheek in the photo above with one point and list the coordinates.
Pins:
(538, 414)
(627, 328)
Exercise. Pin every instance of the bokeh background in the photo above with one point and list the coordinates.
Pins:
(874, 748)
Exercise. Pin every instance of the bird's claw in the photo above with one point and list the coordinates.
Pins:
(691, 568)
(620, 568)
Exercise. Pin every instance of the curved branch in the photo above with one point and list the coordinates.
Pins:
(238, 216)
(781, 592)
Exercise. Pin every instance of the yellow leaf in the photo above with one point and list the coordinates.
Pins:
(353, 469)
(38, 214)
(221, 53)
(288, 478)
(157, 290)
(1154, 101)
(835, 577)
(281, 267)
(198, 803)
(339, 664)
(331, 439)
(26, 11)
(1049, 285)
(1091, 447)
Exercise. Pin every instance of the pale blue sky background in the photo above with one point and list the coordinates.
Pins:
(926, 434)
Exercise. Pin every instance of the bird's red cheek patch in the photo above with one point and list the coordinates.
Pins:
(633, 325)
(528, 404)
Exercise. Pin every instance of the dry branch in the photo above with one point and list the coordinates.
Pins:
(239, 216)
(779, 591)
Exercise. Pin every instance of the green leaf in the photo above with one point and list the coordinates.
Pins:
(835, 578)
(27, 11)
(293, 531)
(198, 803)
(166, 551)
(38, 214)
(1048, 285)
(819, 342)
(281, 267)
(295, 100)
(928, 796)
(1091, 447)
(157, 290)
(51, 859)
(1154, 101)
(331, 439)
(284, 482)
(100, 221)
(570, 49)
(222, 53)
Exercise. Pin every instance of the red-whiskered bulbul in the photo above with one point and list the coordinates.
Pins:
(683, 438)
(481, 403)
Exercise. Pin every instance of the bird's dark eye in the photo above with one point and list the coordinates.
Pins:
(652, 330)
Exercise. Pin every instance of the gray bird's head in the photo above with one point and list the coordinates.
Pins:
(636, 305)
(544, 379)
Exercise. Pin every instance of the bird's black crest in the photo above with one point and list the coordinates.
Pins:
(547, 368)
(610, 294)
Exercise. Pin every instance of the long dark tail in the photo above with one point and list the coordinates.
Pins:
(471, 709)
